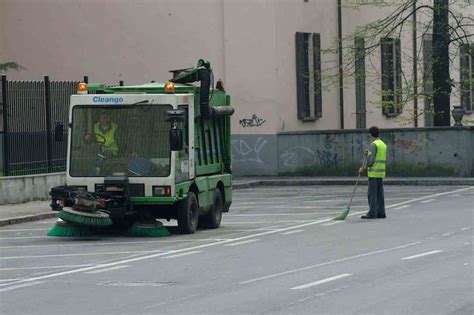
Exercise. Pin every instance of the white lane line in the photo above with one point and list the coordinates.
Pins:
(82, 254)
(9, 280)
(329, 263)
(107, 269)
(45, 267)
(466, 228)
(292, 232)
(24, 237)
(21, 286)
(447, 234)
(22, 230)
(422, 255)
(183, 254)
(243, 242)
(429, 200)
(331, 223)
(403, 207)
(124, 261)
(313, 284)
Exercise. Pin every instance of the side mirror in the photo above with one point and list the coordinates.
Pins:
(59, 132)
(176, 139)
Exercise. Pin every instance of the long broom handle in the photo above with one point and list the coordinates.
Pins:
(355, 186)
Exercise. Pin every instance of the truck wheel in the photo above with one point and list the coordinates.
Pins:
(212, 219)
(188, 214)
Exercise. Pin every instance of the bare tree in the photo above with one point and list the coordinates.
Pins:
(448, 29)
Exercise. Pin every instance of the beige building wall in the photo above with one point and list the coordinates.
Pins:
(250, 43)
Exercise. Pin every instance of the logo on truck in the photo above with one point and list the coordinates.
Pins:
(101, 99)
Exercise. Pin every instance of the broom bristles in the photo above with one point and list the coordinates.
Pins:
(68, 230)
(343, 215)
(147, 231)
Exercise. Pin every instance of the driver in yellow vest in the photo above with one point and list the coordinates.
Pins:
(105, 135)
(104, 131)
(376, 160)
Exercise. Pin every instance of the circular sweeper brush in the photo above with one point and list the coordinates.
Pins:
(147, 229)
(65, 229)
(84, 213)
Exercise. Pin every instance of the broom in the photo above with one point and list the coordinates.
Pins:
(345, 212)
(147, 229)
(64, 229)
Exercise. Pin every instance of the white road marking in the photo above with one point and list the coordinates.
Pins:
(292, 232)
(20, 286)
(22, 230)
(243, 242)
(403, 207)
(183, 254)
(312, 284)
(107, 269)
(45, 267)
(9, 280)
(331, 223)
(466, 228)
(447, 234)
(328, 263)
(429, 200)
(129, 260)
(422, 255)
(23, 237)
(83, 254)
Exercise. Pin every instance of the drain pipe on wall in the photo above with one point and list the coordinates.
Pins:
(341, 79)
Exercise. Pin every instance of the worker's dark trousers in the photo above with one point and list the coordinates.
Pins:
(376, 197)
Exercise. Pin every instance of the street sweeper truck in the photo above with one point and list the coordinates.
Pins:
(146, 152)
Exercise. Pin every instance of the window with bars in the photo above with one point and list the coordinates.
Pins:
(308, 76)
(428, 80)
(467, 76)
(391, 76)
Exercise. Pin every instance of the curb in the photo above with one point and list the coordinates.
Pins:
(27, 218)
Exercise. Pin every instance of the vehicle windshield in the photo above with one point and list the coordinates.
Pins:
(125, 140)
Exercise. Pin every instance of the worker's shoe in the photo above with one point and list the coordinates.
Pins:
(381, 216)
(368, 217)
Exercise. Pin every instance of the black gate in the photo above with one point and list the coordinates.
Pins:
(30, 111)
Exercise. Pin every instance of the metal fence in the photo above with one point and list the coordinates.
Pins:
(30, 111)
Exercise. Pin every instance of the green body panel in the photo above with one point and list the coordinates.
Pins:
(153, 200)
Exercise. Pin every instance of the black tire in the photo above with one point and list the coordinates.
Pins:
(188, 214)
(212, 220)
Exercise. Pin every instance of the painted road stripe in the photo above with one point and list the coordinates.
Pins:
(107, 269)
(292, 232)
(129, 260)
(243, 242)
(403, 207)
(328, 263)
(313, 284)
(22, 230)
(18, 286)
(466, 228)
(331, 223)
(422, 254)
(46, 267)
(82, 254)
(183, 254)
(429, 200)
(447, 234)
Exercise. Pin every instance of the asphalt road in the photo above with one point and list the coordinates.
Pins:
(277, 252)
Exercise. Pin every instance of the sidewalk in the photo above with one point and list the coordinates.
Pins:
(39, 210)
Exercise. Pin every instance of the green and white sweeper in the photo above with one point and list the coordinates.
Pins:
(146, 152)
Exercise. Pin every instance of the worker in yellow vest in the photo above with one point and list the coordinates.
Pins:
(375, 167)
(105, 135)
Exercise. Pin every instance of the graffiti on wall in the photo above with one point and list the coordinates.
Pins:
(413, 145)
(245, 152)
(255, 121)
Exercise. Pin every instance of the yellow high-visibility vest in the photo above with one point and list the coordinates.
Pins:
(377, 170)
(109, 137)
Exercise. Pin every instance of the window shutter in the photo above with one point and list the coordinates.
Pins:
(302, 91)
(318, 102)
